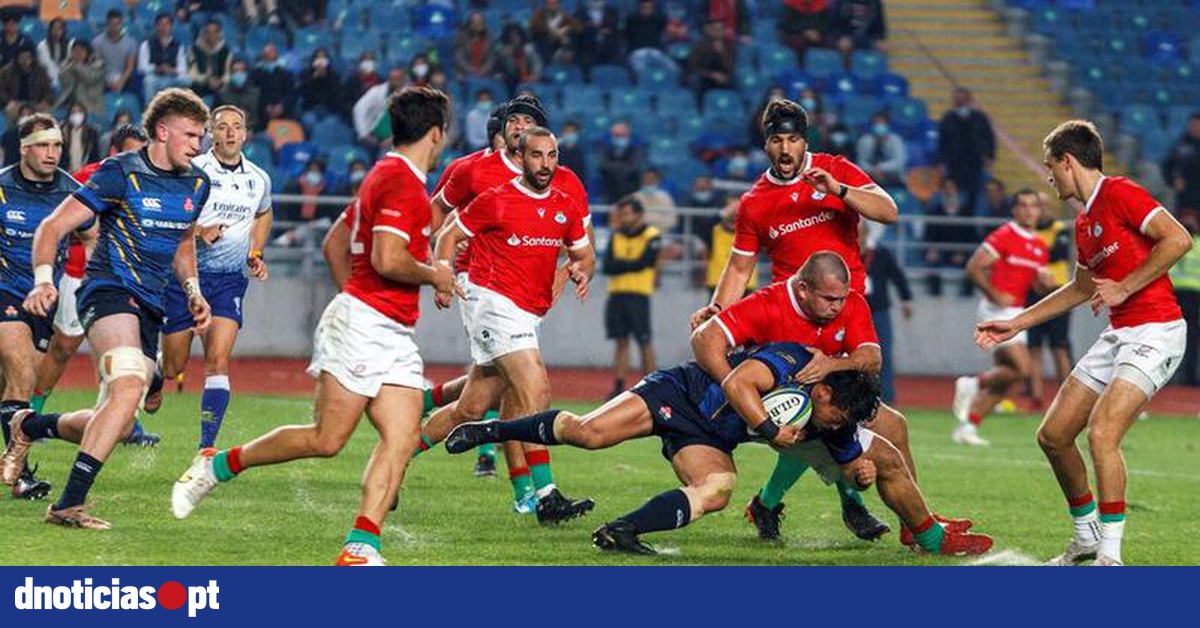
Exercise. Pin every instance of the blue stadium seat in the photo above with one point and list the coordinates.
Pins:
(79, 30)
(1140, 119)
(596, 127)
(3, 122)
(907, 113)
(1163, 47)
(98, 9)
(839, 87)
(401, 50)
(683, 171)
(294, 157)
(1178, 116)
(33, 29)
(583, 98)
(795, 81)
(665, 150)
(822, 62)
(868, 64)
(145, 11)
(776, 59)
(676, 103)
(331, 131)
(629, 102)
(750, 83)
(562, 74)
(306, 40)
(658, 78)
(341, 156)
(723, 102)
(429, 20)
(260, 152)
(257, 38)
(891, 86)
(1154, 146)
(857, 110)
(356, 43)
(115, 103)
(494, 85)
(344, 14)
(610, 76)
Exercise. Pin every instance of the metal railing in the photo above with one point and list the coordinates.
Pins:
(294, 247)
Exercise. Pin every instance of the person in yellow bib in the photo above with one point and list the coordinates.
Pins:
(631, 263)
(721, 247)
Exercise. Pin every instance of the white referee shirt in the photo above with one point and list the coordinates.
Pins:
(238, 196)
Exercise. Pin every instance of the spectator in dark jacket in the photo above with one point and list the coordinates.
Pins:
(858, 25)
(24, 81)
(553, 32)
(711, 62)
(81, 139)
(950, 244)
(320, 86)
(82, 79)
(883, 272)
(803, 24)
(239, 91)
(966, 147)
(643, 31)
(570, 150)
(598, 40)
(1182, 166)
(12, 39)
(276, 87)
(621, 162)
(210, 60)
(364, 77)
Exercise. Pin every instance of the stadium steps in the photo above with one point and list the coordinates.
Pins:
(938, 44)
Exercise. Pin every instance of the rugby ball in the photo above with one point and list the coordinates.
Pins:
(788, 405)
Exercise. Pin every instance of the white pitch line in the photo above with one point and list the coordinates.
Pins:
(1004, 558)
(1042, 464)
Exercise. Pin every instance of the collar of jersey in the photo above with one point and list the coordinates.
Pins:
(420, 174)
(144, 153)
(508, 164)
(239, 168)
(804, 165)
(30, 184)
(1022, 231)
(792, 298)
(1096, 192)
(530, 193)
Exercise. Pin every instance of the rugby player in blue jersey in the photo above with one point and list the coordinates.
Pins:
(701, 422)
(146, 203)
(29, 192)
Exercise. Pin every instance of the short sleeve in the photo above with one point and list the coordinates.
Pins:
(784, 360)
(574, 188)
(446, 175)
(264, 205)
(746, 240)
(994, 243)
(1136, 206)
(846, 172)
(396, 213)
(456, 192)
(577, 237)
(105, 189)
(860, 329)
(474, 218)
(748, 321)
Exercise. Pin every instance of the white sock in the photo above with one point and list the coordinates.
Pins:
(1110, 538)
(1087, 528)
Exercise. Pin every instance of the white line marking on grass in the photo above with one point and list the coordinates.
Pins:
(1042, 464)
(1005, 558)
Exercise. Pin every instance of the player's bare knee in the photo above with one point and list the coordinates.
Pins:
(716, 490)
(1051, 441)
(328, 444)
(886, 457)
(469, 411)
(61, 352)
(1101, 438)
(586, 434)
(216, 365)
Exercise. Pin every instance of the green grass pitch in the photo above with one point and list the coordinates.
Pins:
(298, 513)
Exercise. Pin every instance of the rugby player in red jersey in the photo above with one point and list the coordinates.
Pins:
(516, 231)
(1126, 242)
(365, 355)
(806, 202)
(816, 308)
(467, 183)
(1006, 267)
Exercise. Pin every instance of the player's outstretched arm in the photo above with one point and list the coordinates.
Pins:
(867, 357)
(336, 249)
(1075, 293)
(1171, 243)
(69, 216)
(730, 287)
(744, 389)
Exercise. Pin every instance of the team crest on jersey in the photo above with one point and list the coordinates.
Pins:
(541, 212)
(840, 335)
(10, 311)
(1097, 230)
(560, 218)
(818, 195)
(795, 196)
(427, 231)
(665, 412)
(187, 204)
(513, 240)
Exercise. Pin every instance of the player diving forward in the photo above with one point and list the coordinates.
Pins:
(804, 203)
(1127, 242)
(146, 203)
(233, 227)
(1006, 267)
(365, 355)
(29, 192)
(701, 422)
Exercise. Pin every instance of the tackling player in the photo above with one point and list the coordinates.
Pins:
(816, 308)
(1126, 241)
(29, 192)
(517, 230)
(146, 203)
(806, 202)
(467, 183)
(701, 422)
(1006, 267)
(233, 228)
(365, 356)
(68, 332)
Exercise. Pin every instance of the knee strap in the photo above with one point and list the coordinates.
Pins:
(122, 362)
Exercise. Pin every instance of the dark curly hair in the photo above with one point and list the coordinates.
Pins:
(857, 392)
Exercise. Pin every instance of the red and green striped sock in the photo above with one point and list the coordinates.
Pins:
(227, 464)
(1082, 506)
(929, 535)
(539, 467)
(364, 531)
(522, 483)
(425, 445)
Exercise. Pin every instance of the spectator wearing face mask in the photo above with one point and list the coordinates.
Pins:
(357, 83)
(840, 142)
(276, 86)
(659, 204)
(517, 58)
(211, 60)
(737, 166)
(312, 182)
(355, 176)
(622, 160)
(240, 92)
(320, 86)
(477, 121)
(881, 153)
(371, 121)
(570, 151)
(966, 146)
(81, 140)
(420, 71)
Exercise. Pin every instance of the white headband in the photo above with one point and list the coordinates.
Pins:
(45, 136)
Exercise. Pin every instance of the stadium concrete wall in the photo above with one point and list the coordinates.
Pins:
(282, 313)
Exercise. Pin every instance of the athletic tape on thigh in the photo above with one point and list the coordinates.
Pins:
(123, 362)
(1135, 376)
(717, 483)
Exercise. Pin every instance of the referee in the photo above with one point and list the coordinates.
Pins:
(631, 262)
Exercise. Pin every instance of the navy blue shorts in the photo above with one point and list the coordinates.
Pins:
(99, 301)
(12, 311)
(224, 292)
(677, 421)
